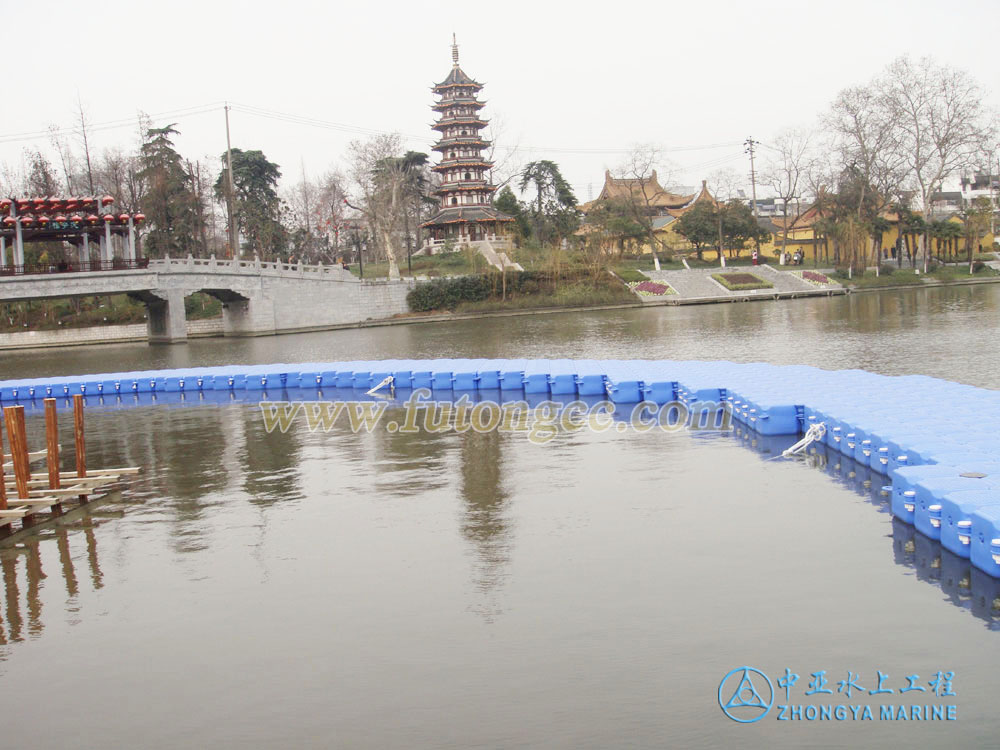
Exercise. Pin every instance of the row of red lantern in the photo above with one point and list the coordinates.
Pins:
(53, 204)
(92, 219)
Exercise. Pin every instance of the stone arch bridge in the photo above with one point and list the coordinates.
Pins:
(257, 298)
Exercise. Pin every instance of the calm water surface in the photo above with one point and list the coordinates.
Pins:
(443, 590)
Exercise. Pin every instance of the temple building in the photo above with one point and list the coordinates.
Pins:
(465, 213)
(649, 198)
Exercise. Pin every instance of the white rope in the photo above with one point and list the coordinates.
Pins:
(814, 433)
(387, 381)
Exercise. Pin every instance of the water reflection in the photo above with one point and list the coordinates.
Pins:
(22, 567)
(485, 521)
(964, 586)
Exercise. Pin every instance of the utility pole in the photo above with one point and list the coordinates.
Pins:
(750, 144)
(234, 251)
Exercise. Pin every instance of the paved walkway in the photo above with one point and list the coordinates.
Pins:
(698, 284)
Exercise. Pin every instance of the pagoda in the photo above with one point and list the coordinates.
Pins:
(465, 212)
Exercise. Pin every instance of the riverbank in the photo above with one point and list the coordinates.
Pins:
(212, 327)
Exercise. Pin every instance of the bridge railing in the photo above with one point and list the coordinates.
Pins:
(254, 266)
(33, 269)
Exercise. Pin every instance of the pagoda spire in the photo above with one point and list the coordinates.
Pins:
(454, 50)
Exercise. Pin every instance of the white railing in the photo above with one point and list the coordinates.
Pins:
(249, 267)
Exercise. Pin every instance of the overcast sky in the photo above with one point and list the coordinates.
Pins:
(577, 83)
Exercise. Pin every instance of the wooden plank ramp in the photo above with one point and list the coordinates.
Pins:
(33, 498)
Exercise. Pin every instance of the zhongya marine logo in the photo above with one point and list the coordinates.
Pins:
(746, 695)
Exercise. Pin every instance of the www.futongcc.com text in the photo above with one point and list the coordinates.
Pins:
(540, 422)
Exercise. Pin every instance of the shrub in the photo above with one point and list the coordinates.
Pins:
(738, 282)
(885, 269)
(446, 294)
(630, 274)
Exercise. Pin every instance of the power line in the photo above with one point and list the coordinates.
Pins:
(109, 124)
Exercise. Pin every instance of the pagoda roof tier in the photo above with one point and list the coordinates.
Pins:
(454, 187)
(461, 162)
(467, 215)
(457, 77)
(461, 140)
(458, 102)
(470, 120)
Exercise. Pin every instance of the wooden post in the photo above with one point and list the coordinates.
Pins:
(81, 443)
(3, 479)
(14, 417)
(52, 449)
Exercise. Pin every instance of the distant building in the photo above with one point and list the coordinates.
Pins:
(465, 212)
(649, 198)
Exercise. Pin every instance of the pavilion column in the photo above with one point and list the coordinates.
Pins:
(130, 252)
(3, 252)
(108, 252)
(18, 245)
(84, 250)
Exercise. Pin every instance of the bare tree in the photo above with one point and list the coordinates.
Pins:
(65, 156)
(639, 170)
(941, 123)
(785, 171)
(379, 179)
(506, 159)
(81, 133)
(332, 211)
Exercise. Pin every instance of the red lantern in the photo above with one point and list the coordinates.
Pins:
(60, 217)
(139, 218)
(9, 220)
(108, 218)
(5, 203)
(43, 219)
(27, 221)
(92, 219)
(71, 204)
(124, 218)
(107, 200)
(76, 217)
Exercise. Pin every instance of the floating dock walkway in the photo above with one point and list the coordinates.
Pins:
(39, 497)
(936, 440)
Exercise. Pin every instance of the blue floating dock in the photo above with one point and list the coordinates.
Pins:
(934, 439)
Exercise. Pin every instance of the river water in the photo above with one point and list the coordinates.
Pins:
(332, 589)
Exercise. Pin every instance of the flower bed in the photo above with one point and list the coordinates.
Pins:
(738, 282)
(651, 288)
(815, 278)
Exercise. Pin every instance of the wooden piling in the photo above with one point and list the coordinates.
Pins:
(79, 440)
(52, 449)
(16, 436)
(3, 479)
(18, 439)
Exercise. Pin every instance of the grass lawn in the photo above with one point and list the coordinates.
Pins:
(445, 264)
(908, 276)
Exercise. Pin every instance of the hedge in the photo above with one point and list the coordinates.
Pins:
(447, 294)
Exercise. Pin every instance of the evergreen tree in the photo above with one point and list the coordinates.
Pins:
(256, 203)
(169, 203)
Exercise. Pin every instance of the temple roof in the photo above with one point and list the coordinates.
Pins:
(466, 214)
(648, 191)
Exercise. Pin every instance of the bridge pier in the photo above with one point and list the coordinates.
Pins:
(249, 315)
(166, 321)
